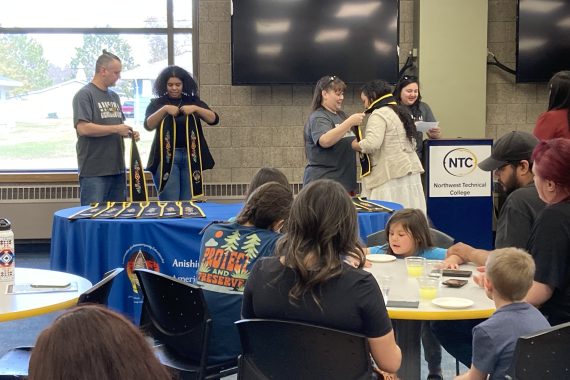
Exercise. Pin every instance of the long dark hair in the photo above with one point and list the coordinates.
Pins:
(269, 203)
(404, 82)
(559, 86)
(93, 342)
(415, 223)
(189, 85)
(326, 83)
(376, 89)
(321, 230)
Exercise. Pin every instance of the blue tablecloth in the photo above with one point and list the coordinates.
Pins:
(90, 247)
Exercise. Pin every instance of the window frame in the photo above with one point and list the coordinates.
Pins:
(55, 175)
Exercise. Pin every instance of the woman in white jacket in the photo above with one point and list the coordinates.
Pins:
(389, 140)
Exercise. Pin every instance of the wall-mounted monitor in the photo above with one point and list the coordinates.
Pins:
(299, 41)
(543, 39)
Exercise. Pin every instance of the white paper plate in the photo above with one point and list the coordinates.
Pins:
(380, 258)
(452, 302)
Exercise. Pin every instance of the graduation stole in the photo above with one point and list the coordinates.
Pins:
(137, 182)
(365, 161)
(193, 152)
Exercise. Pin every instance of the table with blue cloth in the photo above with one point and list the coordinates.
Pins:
(90, 247)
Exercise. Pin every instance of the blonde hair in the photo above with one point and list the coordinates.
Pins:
(511, 271)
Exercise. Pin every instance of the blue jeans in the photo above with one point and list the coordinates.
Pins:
(178, 185)
(102, 189)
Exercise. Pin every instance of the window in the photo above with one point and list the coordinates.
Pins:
(46, 56)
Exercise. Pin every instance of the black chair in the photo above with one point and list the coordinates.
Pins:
(440, 239)
(543, 355)
(99, 293)
(14, 364)
(285, 350)
(175, 314)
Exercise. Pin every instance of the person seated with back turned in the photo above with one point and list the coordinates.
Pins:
(308, 280)
(511, 161)
(228, 252)
(93, 342)
(509, 274)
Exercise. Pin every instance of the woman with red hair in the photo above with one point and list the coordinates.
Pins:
(549, 242)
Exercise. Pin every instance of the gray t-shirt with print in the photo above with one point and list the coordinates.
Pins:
(99, 156)
(337, 162)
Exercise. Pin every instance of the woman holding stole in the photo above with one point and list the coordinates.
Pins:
(179, 151)
(328, 136)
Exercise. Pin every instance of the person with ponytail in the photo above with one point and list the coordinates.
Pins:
(389, 140)
(228, 252)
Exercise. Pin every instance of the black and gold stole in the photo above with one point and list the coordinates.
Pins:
(378, 103)
(193, 152)
(137, 181)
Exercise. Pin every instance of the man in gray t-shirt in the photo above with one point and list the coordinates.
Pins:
(98, 120)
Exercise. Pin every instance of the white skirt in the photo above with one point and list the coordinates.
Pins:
(407, 191)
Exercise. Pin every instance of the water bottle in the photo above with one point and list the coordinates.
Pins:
(7, 259)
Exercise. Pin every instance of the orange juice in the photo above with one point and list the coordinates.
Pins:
(415, 271)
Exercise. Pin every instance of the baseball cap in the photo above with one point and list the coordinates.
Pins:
(512, 147)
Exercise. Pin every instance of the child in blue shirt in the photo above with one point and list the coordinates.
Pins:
(408, 234)
(509, 274)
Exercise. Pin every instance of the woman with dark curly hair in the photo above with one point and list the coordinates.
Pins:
(179, 151)
(390, 141)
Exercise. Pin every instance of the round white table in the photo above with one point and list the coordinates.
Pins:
(25, 305)
(407, 321)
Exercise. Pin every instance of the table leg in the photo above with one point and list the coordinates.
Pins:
(408, 336)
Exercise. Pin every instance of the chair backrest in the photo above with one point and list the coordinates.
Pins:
(274, 349)
(175, 313)
(99, 293)
(543, 355)
(440, 239)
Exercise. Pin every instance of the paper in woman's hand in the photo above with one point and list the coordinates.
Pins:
(424, 126)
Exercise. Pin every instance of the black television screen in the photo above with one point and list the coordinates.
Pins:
(299, 41)
(543, 39)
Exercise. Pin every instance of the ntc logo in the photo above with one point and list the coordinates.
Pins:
(460, 162)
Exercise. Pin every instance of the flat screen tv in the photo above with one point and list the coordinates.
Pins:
(299, 41)
(543, 39)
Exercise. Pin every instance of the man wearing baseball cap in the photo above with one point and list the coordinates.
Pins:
(512, 165)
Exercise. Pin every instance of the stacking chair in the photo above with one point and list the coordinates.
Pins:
(284, 350)
(99, 293)
(543, 355)
(440, 239)
(175, 314)
(14, 364)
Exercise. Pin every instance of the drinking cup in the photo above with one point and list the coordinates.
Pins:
(428, 287)
(415, 266)
(384, 282)
(434, 268)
